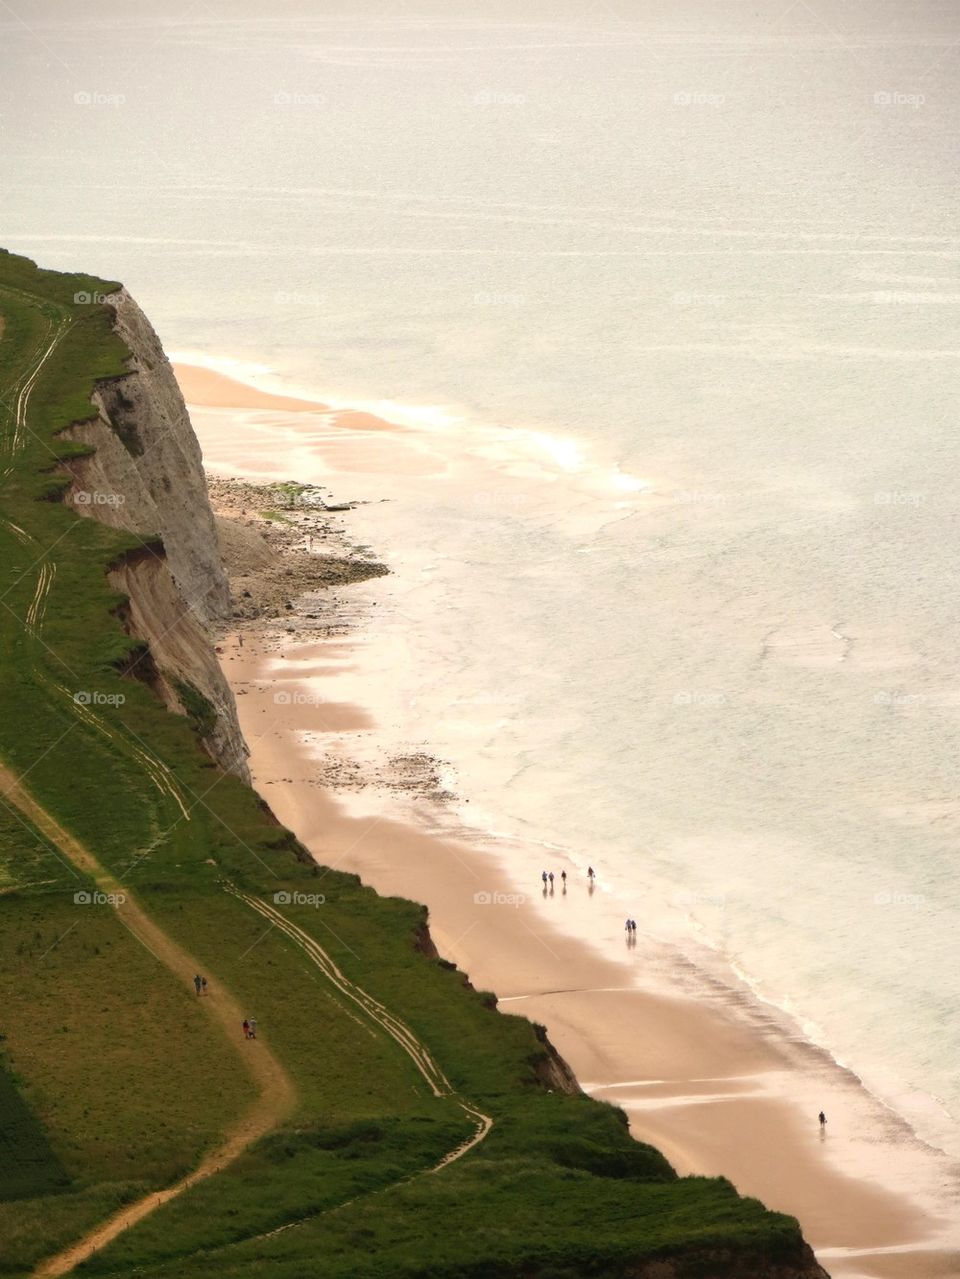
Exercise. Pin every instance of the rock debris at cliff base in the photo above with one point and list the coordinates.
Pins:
(279, 543)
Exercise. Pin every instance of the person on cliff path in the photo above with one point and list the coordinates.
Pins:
(253, 1027)
(196, 982)
(246, 1029)
(203, 985)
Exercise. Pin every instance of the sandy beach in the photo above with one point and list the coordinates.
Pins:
(719, 1083)
(206, 388)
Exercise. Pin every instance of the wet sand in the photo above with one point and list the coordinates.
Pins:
(717, 1082)
(717, 1094)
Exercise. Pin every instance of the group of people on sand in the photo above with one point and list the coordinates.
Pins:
(547, 877)
(630, 928)
(249, 1027)
(200, 984)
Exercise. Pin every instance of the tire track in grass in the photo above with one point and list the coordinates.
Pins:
(276, 1090)
(420, 1055)
(158, 771)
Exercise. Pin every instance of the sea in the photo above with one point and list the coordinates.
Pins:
(665, 300)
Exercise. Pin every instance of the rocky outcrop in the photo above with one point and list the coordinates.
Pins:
(146, 475)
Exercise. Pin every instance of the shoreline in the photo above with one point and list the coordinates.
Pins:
(721, 1105)
(712, 1092)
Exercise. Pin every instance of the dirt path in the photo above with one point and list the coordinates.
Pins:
(276, 1088)
(394, 1027)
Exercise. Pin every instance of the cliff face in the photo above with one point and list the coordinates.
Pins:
(146, 475)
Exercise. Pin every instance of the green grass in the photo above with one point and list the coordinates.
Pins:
(111, 1073)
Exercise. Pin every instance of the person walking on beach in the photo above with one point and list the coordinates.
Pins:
(591, 874)
(563, 876)
(196, 981)
(544, 878)
(823, 1121)
(246, 1029)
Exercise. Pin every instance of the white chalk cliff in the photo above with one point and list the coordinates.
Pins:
(146, 476)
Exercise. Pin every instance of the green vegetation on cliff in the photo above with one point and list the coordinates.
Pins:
(116, 1079)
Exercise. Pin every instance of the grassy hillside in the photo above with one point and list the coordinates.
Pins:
(115, 1080)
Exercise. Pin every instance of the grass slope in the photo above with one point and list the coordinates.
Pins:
(111, 1080)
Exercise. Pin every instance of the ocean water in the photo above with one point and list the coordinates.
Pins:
(671, 294)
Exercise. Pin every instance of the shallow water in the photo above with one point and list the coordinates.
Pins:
(674, 300)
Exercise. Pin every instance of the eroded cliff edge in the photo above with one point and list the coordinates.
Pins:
(146, 475)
